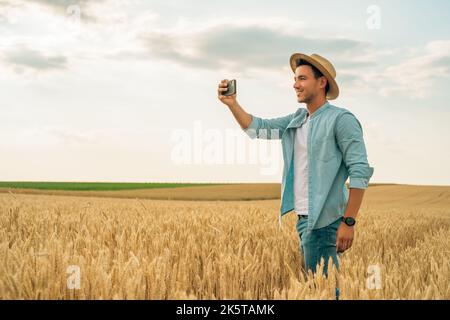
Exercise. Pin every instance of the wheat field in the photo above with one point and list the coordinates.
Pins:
(159, 249)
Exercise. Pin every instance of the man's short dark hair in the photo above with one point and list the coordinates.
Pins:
(317, 73)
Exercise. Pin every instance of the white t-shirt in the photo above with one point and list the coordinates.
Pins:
(301, 168)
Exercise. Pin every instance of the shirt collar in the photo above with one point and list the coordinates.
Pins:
(318, 111)
(300, 116)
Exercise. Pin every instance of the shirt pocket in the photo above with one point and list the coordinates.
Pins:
(324, 149)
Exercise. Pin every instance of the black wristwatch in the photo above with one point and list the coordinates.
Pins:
(349, 221)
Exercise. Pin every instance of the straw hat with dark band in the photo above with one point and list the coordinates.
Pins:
(324, 66)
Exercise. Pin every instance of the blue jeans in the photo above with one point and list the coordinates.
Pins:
(317, 244)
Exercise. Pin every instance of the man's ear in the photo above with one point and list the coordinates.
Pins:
(323, 82)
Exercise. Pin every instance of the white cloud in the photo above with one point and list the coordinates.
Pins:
(241, 47)
(417, 75)
(60, 7)
(414, 76)
(23, 59)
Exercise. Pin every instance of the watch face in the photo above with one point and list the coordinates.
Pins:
(349, 221)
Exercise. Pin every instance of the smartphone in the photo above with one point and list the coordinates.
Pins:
(231, 88)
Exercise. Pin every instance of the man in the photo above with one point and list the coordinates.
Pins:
(322, 146)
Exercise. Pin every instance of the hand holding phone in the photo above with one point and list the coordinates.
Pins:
(227, 92)
(231, 88)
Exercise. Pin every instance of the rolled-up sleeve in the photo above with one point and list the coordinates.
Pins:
(349, 136)
(268, 128)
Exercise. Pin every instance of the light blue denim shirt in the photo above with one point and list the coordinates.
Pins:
(336, 151)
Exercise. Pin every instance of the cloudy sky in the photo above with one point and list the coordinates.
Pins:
(117, 90)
